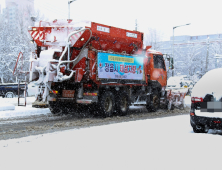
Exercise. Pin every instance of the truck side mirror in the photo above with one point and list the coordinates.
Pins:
(171, 66)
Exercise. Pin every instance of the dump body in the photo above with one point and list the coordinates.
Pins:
(95, 64)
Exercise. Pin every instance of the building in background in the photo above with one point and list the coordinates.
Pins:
(193, 54)
(17, 9)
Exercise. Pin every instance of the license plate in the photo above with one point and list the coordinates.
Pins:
(68, 93)
(211, 106)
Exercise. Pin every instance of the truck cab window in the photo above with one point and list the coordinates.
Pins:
(158, 62)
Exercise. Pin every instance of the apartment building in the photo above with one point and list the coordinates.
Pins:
(193, 53)
(17, 8)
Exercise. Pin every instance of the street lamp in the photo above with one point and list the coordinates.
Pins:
(173, 43)
(69, 2)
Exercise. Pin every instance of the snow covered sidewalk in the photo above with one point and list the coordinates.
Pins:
(23, 111)
(9, 108)
(6, 106)
(14, 101)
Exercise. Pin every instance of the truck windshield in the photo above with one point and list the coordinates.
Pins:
(158, 61)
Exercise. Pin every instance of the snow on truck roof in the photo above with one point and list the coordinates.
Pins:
(63, 23)
(210, 83)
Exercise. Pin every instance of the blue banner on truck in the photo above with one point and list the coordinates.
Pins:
(115, 66)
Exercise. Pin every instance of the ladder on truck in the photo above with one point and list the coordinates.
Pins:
(19, 73)
(25, 93)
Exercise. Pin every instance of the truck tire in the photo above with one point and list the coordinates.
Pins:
(55, 108)
(149, 106)
(165, 105)
(106, 104)
(154, 104)
(122, 104)
(156, 100)
(9, 95)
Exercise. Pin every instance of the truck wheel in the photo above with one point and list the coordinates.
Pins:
(122, 104)
(54, 107)
(165, 105)
(154, 102)
(149, 106)
(106, 104)
(65, 108)
(9, 95)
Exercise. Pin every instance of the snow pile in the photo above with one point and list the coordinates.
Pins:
(46, 56)
(9, 108)
(14, 101)
(6, 106)
(22, 111)
(209, 84)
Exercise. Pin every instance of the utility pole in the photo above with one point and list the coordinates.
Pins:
(69, 2)
(136, 25)
(173, 52)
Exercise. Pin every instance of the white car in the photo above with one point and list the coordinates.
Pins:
(206, 102)
(32, 89)
(176, 83)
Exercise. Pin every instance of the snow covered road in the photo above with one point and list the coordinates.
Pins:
(33, 121)
(156, 144)
(140, 141)
(26, 121)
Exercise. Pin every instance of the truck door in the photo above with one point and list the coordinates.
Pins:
(159, 69)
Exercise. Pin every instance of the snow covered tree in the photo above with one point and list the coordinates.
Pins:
(153, 37)
(15, 38)
(216, 49)
(189, 58)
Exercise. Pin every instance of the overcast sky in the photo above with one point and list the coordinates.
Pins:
(162, 15)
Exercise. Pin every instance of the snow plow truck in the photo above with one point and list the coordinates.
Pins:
(94, 65)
